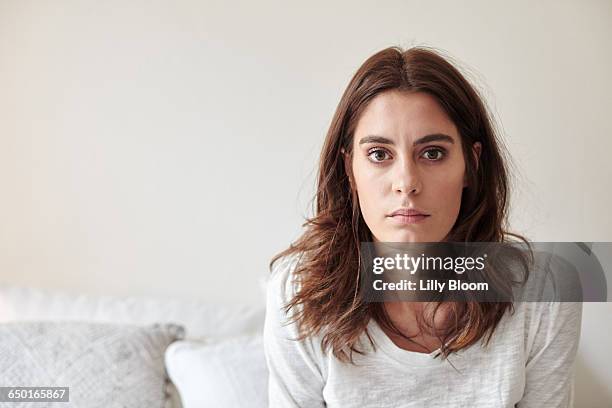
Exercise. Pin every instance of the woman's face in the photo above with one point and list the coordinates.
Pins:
(407, 156)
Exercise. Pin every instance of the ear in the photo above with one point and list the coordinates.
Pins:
(476, 150)
(346, 158)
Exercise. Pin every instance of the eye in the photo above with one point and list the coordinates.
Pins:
(435, 154)
(378, 155)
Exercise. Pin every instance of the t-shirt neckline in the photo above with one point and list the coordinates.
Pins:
(410, 358)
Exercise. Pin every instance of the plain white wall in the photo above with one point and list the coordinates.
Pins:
(169, 147)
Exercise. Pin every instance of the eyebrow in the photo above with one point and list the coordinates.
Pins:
(435, 137)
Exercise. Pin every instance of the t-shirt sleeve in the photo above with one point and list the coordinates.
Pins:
(549, 372)
(295, 376)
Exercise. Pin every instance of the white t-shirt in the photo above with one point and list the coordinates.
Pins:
(527, 363)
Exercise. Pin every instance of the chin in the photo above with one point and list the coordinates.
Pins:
(411, 236)
(403, 238)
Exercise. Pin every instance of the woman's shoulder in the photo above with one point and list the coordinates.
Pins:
(553, 295)
(546, 322)
(282, 282)
(536, 314)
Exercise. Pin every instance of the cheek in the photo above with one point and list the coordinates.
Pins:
(370, 189)
(447, 192)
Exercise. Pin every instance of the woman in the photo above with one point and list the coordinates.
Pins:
(411, 156)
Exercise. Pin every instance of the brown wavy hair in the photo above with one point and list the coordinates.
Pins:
(327, 301)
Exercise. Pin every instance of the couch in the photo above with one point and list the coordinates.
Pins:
(114, 351)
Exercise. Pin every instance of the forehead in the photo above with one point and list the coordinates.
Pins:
(396, 114)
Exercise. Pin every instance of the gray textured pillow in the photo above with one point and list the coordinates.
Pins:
(105, 365)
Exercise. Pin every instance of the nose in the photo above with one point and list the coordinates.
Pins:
(406, 178)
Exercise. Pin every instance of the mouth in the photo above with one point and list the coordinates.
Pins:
(409, 216)
(409, 219)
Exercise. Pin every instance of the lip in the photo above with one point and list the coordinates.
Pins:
(409, 216)
(408, 212)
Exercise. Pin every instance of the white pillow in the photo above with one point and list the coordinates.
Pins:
(104, 365)
(228, 373)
